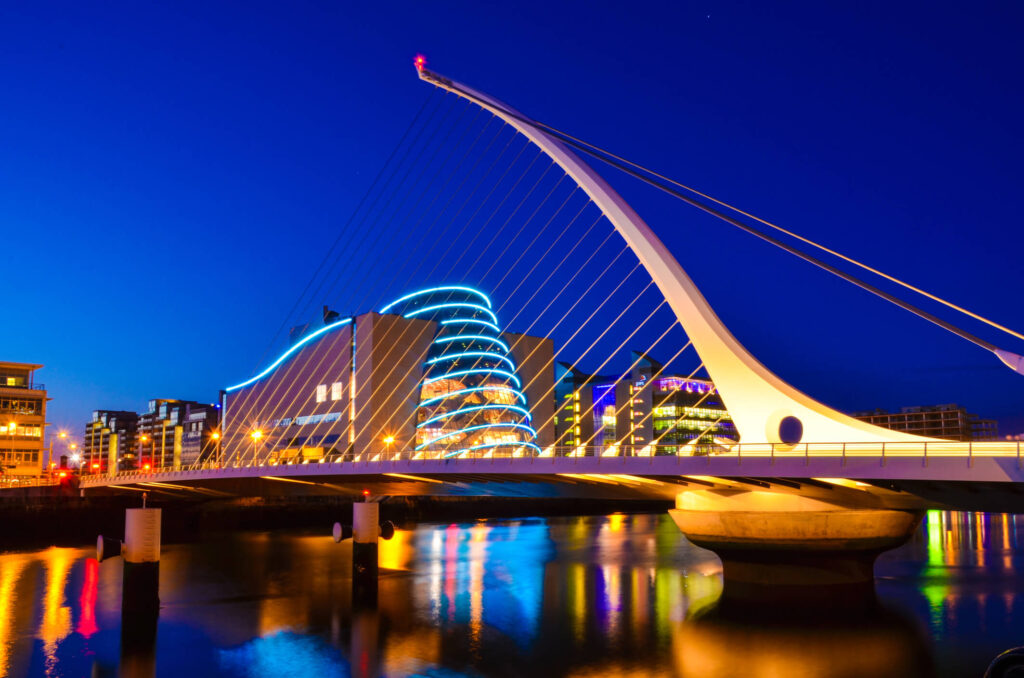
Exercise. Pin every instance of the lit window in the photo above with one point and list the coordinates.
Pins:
(321, 393)
(337, 388)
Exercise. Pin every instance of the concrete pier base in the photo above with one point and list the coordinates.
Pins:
(140, 587)
(365, 532)
(767, 541)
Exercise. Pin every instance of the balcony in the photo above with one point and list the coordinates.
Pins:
(31, 386)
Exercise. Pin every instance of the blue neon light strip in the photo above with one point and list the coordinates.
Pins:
(461, 391)
(454, 304)
(284, 356)
(479, 371)
(443, 288)
(472, 320)
(481, 337)
(477, 408)
(480, 447)
(477, 354)
(477, 428)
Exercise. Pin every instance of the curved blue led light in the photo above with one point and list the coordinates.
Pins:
(477, 428)
(472, 320)
(442, 288)
(481, 447)
(467, 354)
(463, 391)
(284, 356)
(483, 382)
(470, 337)
(462, 373)
(477, 408)
(454, 304)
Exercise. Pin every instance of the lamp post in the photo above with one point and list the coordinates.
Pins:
(49, 457)
(216, 444)
(256, 435)
(388, 441)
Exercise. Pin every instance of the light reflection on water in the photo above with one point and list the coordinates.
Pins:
(593, 596)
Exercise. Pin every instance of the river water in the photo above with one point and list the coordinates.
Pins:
(617, 595)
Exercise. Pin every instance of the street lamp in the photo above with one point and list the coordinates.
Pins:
(215, 436)
(256, 435)
(388, 440)
(50, 465)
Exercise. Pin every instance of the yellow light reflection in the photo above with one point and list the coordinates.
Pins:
(56, 622)
(395, 553)
(10, 571)
(578, 586)
(477, 557)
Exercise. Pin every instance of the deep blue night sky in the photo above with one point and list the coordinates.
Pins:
(171, 174)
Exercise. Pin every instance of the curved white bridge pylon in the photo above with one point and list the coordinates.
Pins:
(764, 408)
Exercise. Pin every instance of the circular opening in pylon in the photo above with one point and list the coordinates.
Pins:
(791, 430)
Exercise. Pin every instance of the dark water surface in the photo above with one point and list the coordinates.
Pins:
(593, 596)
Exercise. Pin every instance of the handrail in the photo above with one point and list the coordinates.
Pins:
(881, 452)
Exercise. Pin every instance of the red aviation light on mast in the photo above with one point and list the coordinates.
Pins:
(420, 62)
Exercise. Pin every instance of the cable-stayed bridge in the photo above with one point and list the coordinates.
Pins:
(550, 356)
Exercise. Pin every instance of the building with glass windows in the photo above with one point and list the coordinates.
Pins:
(430, 375)
(171, 433)
(22, 421)
(642, 412)
(950, 421)
(109, 435)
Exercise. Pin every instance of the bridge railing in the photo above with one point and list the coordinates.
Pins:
(968, 451)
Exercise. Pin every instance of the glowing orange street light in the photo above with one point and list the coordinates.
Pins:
(257, 434)
(420, 62)
(145, 467)
(215, 435)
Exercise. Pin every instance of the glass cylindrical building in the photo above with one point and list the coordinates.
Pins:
(471, 401)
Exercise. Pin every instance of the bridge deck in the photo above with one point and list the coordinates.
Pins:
(814, 469)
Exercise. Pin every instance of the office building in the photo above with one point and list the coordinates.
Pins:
(951, 422)
(22, 422)
(172, 433)
(430, 375)
(176, 433)
(109, 441)
(644, 412)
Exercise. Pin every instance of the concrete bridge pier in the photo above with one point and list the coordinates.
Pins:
(775, 544)
(140, 552)
(365, 531)
(140, 588)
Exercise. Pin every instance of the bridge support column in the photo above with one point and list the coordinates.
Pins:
(140, 588)
(365, 531)
(771, 542)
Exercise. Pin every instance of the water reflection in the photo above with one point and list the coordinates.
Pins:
(593, 596)
(56, 622)
(11, 568)
(858, 639)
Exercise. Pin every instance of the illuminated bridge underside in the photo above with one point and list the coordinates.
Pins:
(990, 478)
(758, 400)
